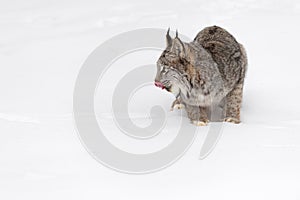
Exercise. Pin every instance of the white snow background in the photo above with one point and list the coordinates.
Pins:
(43, 44)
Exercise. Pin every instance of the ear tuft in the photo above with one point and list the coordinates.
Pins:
(168, 38)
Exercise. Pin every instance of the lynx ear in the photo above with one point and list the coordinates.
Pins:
(168, 38)
(178, 46)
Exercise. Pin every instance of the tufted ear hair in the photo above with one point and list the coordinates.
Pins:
(177, 46)
(168, 38)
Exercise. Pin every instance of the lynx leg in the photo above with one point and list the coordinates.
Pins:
(177, 104)
(197, 115)
(233, 104)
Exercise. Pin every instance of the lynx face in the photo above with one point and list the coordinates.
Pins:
(171, 66)
(167, 76)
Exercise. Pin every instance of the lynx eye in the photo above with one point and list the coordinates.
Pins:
(163, 70)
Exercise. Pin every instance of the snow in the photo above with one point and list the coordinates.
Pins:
(42, 47)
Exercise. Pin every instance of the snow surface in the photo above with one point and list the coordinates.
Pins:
(42, 47)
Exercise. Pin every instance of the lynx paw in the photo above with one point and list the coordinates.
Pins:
(232, 120)
(177, 106)
(200, 123)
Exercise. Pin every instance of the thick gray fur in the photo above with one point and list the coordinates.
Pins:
(208, 71)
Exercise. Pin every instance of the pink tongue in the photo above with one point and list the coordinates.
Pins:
(160, 85)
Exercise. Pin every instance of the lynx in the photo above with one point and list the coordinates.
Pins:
(207, 71)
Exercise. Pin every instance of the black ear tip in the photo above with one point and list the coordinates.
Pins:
(169, 39)
(176, 33)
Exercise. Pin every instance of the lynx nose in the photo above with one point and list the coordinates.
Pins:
(159, 84)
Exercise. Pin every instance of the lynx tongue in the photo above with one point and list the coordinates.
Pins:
(160, 85)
